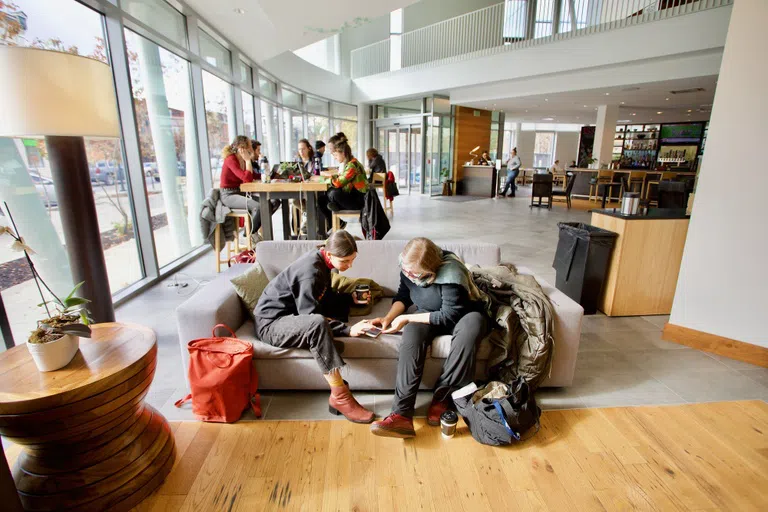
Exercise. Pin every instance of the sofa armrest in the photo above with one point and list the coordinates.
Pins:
(215, 303)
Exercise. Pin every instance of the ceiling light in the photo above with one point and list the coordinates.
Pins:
(633, 114)
(585, 106)
(607, 94)
(666, 99)
(526, 111)
(547, 118)
(659, 112)
(239, 10)
(545, 99)
(622, 102)
(690, 111)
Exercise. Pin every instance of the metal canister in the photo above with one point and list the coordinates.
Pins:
(630, 203)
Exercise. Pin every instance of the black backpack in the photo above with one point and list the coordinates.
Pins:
(499, 413)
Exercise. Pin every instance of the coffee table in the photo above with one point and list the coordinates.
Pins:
(90, 442)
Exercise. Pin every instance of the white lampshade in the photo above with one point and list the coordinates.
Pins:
(52, 93)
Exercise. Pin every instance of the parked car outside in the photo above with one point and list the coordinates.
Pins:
(103, 173)
(45, 190)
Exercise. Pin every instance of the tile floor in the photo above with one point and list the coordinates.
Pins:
(622, 361)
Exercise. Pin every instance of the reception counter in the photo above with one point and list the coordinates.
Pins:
(478, 180)
(642, 272)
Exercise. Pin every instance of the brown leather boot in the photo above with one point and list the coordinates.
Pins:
(394, 425)
(341, 401)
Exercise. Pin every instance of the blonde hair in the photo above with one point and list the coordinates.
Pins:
(423, 255)
(241, 141)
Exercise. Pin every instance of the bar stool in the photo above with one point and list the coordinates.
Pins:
(233, 246)
(636, 178)
(603, 178)
(337, 217)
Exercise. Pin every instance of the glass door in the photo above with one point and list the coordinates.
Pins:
(414, 158)
(401, 147)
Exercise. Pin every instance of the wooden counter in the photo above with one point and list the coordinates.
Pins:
(478, 180)
(643, 270)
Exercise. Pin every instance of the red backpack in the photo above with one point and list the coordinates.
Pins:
(222, 378)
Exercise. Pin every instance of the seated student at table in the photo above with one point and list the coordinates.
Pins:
(555, 169)
(319, 152)
(236, 170)
(446, 298)
(259, 159)
(573, 164)
(297, 310)
(307, 158)
(349, 187)
(375, 163)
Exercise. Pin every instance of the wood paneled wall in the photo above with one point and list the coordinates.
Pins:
(471, 131)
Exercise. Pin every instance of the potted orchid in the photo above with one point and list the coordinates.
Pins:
(56, 339)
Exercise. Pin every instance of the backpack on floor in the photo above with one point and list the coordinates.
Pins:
(222, 378)
(498, 413)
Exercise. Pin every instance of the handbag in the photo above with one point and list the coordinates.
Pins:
(498, 414)
(246, 256)
(391, 190)
(222, 378)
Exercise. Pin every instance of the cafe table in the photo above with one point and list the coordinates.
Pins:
(283, 191)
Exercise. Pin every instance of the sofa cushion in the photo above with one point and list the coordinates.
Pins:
(249, 285)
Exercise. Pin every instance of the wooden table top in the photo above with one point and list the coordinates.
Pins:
(114, 352)
(284, 186)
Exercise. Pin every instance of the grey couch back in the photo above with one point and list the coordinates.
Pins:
(376, 260)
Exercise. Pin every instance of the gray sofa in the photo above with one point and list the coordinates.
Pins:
(371, 364)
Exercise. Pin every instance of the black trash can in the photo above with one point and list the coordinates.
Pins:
(581, 262)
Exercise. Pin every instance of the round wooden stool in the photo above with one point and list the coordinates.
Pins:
(90, 441)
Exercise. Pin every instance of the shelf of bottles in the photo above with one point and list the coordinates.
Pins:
(635, 145)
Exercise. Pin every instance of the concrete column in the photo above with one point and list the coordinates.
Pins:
(607, 116)
(722, 282)
(363, 130)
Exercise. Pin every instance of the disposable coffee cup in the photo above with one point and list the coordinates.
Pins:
(448, 422)
(362, 293)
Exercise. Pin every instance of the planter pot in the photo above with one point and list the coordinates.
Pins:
(54, 354)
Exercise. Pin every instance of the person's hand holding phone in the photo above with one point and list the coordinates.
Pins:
(359, 328)
(381, 322)
(397, 324)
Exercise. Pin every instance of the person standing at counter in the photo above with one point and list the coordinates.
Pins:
(513, 169)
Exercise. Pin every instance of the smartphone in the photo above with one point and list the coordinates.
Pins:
(373, 332)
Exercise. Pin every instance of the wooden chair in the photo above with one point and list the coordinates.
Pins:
(541, 188)
(566, 193)
(380, 181)
(672, 194)
(233, 246)
(337, 217)
(560, 179)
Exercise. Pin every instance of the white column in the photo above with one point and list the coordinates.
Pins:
(194, 177)
(723, 281)
(607, 116)
(363, 130)
(165, 146)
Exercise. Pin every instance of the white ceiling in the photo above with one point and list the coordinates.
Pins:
(639, 103)
(270, 27)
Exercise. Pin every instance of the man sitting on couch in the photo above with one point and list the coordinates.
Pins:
(294, 311)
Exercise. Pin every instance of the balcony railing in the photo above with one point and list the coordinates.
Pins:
(511, 25)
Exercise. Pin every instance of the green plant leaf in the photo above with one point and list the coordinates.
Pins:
(74, 290)
(75, 329)
(74, 301)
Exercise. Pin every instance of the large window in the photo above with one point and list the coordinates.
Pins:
(249, 117)
(159, 15)
(219, 118)
(26, 181)
(166, 123)
(291, 98)
(215, 53)
(544, 148)
(293, 126)
(348, 124)
(269, 132)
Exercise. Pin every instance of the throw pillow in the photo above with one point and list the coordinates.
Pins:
(249, 286)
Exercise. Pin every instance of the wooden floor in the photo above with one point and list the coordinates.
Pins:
(692, 457)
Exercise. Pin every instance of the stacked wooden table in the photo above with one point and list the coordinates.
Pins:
(90, 442)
